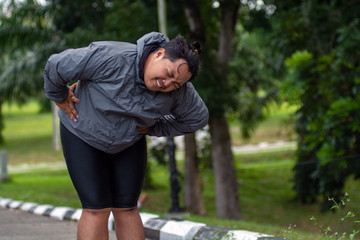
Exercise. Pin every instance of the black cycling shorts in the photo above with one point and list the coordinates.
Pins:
(104, 180)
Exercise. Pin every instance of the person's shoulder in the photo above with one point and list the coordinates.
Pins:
(115, 49)
(113, 45)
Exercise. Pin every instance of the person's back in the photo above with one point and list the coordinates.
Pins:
(123, 92)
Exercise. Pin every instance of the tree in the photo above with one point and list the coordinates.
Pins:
(231, 84)
(227, 199)
(24, 44)
(320, 38)
(192, 180)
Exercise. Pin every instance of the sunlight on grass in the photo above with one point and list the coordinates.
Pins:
(30, 107)
(278, 126)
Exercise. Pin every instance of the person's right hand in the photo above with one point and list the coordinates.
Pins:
(68, 104)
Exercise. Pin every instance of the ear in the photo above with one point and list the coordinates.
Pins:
(160, 53)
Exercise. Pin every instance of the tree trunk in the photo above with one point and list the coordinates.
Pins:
(193, 199)
(227, 197)
(227, 200)
(56, 130)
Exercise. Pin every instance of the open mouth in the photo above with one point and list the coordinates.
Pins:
(158, 83)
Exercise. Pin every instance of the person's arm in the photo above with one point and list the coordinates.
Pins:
(189, 114)
(65, 67)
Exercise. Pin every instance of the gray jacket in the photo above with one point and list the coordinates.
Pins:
(114, 100)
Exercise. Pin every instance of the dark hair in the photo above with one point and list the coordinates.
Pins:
(178, 48)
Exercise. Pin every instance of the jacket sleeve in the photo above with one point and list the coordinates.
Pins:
(67, 66)
(189, 113)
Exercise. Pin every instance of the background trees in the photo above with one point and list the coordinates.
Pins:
(319, 38)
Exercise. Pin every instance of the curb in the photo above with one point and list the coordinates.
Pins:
(156, 227)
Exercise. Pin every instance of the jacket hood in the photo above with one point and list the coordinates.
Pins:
(146, 40)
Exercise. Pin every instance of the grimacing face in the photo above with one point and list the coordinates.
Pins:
(160, 74)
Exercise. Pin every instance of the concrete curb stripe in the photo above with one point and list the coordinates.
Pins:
(180, 230)
(211, 232)
(4, 202)
(153, 226)
(77, 214)
(111, 225)
(146, 216)
(156, 228)
(42, 209)
(60, 212)
(27, 206)
(246, 235)
(69, 214)
(15, 204)
(31, 210)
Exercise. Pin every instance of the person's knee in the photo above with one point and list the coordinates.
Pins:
(125, 210)
(98, 213)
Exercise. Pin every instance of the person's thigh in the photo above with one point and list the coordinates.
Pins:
(89, 170)
(128, 172)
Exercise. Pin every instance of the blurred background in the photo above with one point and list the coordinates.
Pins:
(281, 79)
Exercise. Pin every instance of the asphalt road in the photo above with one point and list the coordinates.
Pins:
(20, 225)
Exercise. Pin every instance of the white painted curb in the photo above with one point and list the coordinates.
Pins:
(156, 228)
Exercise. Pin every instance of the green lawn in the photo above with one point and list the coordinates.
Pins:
(28, 135)
(278, 126)
(266, 198)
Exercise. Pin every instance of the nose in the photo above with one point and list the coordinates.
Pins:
(167, 82)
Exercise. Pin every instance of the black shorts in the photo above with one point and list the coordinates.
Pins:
(104, 180)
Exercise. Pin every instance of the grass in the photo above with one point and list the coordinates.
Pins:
(28, 135)
(265, 187)
(277, 126)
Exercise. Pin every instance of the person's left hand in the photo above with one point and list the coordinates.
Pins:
(143, 130)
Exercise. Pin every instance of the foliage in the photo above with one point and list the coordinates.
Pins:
(320, 38)
(330, 233)
(159, 149)
(30, 33)
(252, 85)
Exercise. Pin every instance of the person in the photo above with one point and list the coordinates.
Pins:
(122, 92)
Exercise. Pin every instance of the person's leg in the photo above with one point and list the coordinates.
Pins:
(128, 224)
(93, 224)
(127, 177)
(89, 170)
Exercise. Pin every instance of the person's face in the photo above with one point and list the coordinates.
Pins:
(160, 74)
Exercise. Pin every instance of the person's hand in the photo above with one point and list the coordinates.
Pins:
(143, 130)
(68, 104)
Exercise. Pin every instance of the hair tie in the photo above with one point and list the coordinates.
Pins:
(195, 50)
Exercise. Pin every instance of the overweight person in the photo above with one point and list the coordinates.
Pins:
(122, 92)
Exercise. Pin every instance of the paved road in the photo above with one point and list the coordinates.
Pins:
(246, 149)
(20, 225)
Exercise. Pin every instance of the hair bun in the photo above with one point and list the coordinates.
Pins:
(196, 47)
